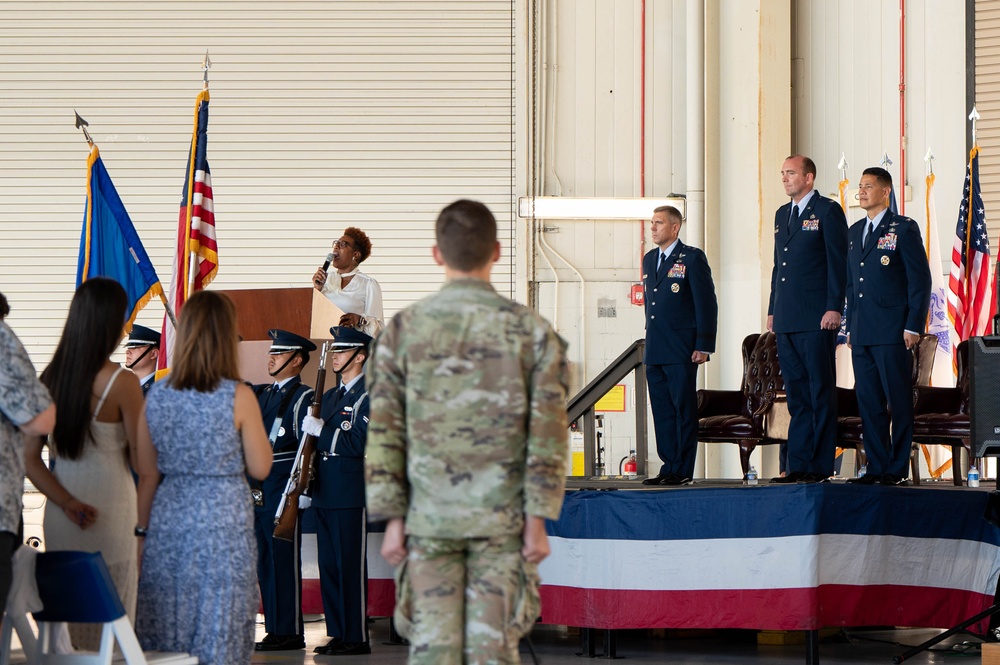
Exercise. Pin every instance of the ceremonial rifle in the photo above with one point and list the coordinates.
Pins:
(302, 470)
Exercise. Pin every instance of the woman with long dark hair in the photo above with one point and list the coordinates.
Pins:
(200, 435)
(91, 495)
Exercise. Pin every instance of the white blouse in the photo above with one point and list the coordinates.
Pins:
(361, 296)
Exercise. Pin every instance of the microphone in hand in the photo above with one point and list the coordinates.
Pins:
(319, 279)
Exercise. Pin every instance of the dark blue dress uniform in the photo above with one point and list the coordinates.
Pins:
(141, 336)
(888, 291)
(682, 317)
(809, 279)
(338, 503)
(279, 563)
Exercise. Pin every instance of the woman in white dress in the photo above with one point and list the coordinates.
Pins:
(91, 495)
(355, 293)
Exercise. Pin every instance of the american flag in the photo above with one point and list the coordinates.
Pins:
(196, 260)
(971, 302)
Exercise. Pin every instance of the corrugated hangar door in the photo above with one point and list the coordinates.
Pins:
(987, 100)
(323, 115)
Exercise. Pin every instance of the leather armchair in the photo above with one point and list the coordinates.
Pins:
(741, 416)
(849, 429)
(941, 416)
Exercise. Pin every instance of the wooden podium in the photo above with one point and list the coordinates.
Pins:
(303, 311)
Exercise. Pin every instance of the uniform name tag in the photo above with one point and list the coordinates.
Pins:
(677, 271)
(887, 242)
(810, 224)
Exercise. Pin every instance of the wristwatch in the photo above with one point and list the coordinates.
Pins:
(140, 531)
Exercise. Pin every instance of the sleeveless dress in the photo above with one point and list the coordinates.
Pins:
(198, 588)
(101, 478)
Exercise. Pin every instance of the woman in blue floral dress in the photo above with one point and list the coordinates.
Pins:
(200, 436)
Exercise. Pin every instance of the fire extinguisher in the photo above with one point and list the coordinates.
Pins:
(630, 465)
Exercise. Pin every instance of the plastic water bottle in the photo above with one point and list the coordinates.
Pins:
(973, 476)
(751, 475)
(862, 470)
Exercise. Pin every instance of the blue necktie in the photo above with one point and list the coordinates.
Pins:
(663, 263)
(869, 230)
(793, 219)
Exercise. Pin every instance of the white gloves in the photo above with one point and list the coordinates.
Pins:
(312, 426)
(305, 501)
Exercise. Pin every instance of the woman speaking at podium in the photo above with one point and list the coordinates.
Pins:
(355, 293)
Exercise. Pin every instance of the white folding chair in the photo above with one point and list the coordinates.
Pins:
(75, 587)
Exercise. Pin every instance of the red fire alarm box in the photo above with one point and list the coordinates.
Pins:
(637, 296)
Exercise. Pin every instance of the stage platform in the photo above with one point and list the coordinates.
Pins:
(718, 554)
(779, 557)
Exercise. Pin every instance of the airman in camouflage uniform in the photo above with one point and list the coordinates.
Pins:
(466, 453)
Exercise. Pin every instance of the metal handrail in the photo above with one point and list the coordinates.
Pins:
(580, 407)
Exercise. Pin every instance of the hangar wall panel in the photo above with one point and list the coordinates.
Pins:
(323, 115)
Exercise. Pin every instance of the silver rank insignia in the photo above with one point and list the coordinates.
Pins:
(346, 425)
(885, 260)
(675, 287)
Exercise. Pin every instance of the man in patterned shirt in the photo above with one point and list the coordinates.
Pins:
(466, 454)
(25, 410)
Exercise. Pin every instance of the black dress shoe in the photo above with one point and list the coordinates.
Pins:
(653, 480)
(793, 477)
(867, 479)
(814, 478)
(332, 644)
(675, 480)
(889, 479)
(350, 649)
(280, 643)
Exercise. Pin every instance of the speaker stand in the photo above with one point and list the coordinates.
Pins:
(910, 653)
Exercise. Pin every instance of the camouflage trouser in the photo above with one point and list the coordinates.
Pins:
(465, 601)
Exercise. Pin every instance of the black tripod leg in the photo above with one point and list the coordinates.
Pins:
(588, 642)
(812, 647)
(910, 653)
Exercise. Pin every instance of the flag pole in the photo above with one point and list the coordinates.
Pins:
(886, 163)
(842, 187)
(929, 159)
(206, 64)
(83, 124)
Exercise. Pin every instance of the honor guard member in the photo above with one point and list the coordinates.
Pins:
(682, 316)
(888, 295)
(283, 405)
(142, 351)
(338, 497)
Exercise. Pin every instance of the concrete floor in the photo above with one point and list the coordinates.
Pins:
(556, 646)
